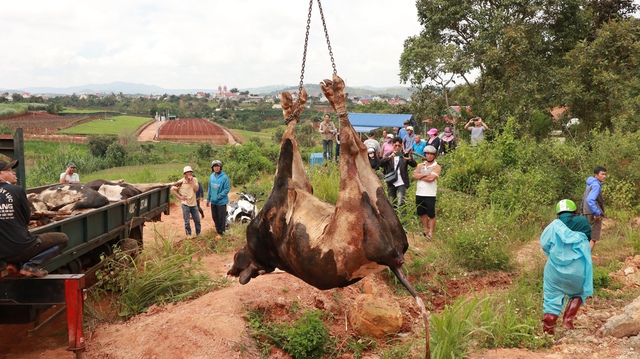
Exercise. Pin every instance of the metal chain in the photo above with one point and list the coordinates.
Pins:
(304, 56)
(326, 35)
(296, 111)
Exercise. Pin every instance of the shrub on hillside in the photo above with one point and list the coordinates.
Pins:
(479, 246)
(98, 144)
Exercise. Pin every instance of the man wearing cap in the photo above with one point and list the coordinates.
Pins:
(427, 174)
(371, 142)
(185, 189)
(69, 176)
(218, 196)
(407, 141)
(403, 131)
(17, 244)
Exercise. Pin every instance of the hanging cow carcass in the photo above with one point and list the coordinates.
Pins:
(326, 246)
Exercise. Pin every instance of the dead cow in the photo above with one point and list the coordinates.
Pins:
(67, 198)
(119, 190)
(326, 246)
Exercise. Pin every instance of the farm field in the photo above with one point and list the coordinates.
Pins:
(109, 126)
(39, 123)
(192, 130)
(265, 135)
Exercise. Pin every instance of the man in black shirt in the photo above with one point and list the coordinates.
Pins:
(17, 244)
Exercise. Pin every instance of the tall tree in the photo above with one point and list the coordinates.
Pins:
(514, 45)
(602, 80)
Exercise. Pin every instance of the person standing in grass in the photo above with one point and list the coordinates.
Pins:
(218, 196)
(327, 130)
(427, 174)
(185, 189)
(568, 273)
(593, 204)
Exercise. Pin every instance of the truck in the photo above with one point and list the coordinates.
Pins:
(92, 234)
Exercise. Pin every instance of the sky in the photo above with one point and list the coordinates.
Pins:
(191, 44)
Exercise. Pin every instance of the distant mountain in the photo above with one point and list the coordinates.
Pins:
(128, 88)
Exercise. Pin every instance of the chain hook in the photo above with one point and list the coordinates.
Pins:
(296, 111)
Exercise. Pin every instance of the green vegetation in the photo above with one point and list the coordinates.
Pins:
(166, 272)
(115, 125)
(308, 337)
(13, 109)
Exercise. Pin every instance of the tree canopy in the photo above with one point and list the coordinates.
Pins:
(521, 57)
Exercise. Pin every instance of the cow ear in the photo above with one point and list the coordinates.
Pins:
(247, 274)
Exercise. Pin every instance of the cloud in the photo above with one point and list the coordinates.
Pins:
(201, 44)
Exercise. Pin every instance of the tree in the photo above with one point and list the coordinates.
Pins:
(602, 77)
(426, 62)
(516, 47)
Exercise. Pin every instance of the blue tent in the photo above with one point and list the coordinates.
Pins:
(365, 122)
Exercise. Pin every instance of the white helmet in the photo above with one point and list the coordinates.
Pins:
(216, 162)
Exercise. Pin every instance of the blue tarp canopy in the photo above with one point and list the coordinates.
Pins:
(365, 122)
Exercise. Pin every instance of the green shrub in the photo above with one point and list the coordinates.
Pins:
(479, 246)
(308, 337)
(166, 273)
(98, 144)
(452, 329)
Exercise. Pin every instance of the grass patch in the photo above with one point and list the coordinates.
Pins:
(166, 272)
(308, 337)
(114, 125)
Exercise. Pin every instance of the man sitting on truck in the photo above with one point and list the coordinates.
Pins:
(17, 244)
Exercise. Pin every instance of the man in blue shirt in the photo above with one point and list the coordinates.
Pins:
(593, 204)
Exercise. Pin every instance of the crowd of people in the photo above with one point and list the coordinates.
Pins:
(401, 148)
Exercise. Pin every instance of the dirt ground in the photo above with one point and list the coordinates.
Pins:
(213, 326)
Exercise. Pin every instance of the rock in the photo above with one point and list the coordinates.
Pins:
(375, 316)
(625, 324)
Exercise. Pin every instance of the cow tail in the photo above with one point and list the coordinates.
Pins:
(425, 315)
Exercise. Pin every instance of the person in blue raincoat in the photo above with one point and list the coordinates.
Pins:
(218, 196)
(568, 274)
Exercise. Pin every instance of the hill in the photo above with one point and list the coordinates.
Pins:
(128, 88)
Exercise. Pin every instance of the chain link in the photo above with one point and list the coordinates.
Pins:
(296, 112)
(326, 35)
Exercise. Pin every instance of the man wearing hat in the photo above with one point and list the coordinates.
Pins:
(403, 131)
(427, 174)
(17, 244)
(185, 189)
(69, 176)
(407, 141)
(371, 142)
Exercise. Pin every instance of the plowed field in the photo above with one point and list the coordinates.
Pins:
(192, 130)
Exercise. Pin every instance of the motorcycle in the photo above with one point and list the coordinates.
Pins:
(242, 211)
